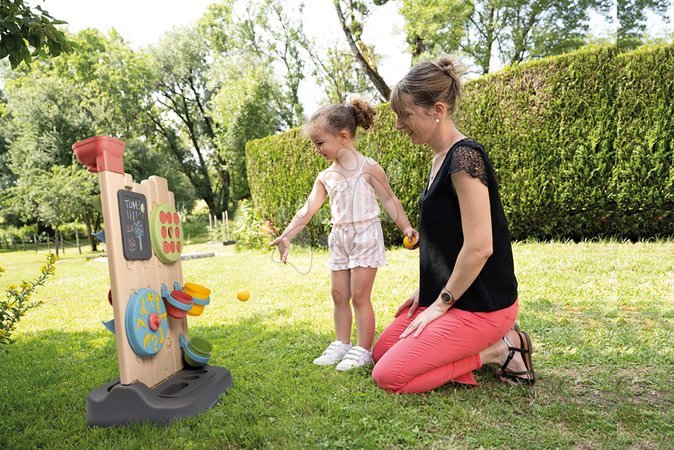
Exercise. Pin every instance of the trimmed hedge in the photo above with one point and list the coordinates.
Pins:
(582, 145)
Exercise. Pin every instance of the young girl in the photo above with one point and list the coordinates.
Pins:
(353, 183)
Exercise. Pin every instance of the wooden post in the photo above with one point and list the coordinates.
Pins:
(224, 230)
(227, 224)
(63, 247)
(35, 242)
(77, 239)
(215, 228)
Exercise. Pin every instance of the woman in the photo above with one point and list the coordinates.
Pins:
(463, 312)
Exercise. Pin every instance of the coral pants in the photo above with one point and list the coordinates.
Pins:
(448, 349)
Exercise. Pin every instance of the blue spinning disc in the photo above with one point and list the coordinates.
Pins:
(145, 322)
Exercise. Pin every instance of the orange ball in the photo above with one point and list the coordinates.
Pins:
(409, 243)
(243, 295)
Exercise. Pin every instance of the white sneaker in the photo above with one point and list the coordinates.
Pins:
(333, 354)
(357, 357)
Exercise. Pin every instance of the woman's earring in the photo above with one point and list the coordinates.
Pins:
(437, 120)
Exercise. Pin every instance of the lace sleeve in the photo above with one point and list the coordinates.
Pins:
(469, 160)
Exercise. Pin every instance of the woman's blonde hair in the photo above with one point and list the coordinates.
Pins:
(357, 112)
(429, 82)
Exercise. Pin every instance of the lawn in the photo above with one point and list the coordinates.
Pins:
(601, 317)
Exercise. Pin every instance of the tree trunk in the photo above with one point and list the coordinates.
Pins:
(419, 47)
(368, 66)
(88, 223)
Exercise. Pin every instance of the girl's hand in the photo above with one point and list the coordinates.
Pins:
(413, 300)
(427, 316)
(413, 236)
(283, 244)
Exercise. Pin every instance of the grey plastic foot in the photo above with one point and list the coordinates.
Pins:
(187, 393)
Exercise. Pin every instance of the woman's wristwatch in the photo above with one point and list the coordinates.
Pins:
(447, 297)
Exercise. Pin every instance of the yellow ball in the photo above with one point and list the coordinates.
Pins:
(409, 243)
(243, 295)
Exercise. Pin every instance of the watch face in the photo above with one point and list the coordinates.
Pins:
(446, 297)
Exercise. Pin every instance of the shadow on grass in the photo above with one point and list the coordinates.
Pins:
(281, 400)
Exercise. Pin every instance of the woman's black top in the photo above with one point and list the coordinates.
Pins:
(441, 235)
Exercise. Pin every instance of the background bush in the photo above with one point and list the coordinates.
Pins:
(249, 230)
(582, 145)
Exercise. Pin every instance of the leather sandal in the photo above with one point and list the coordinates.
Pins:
(510, 377)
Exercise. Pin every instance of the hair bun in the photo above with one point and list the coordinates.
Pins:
(450, 66)
(362, 109)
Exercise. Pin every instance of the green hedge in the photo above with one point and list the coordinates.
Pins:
(582, 144)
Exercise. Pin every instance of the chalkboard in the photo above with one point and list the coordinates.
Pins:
(135, 228)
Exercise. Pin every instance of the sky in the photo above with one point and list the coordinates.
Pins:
(143, 22)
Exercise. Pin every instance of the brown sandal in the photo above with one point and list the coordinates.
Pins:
(510, 377)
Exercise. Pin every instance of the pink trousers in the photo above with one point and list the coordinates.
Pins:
(448, 349)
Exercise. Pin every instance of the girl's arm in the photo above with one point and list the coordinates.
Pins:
(302, 217)
(390, 202)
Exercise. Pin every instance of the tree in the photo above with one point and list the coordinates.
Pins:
(54, 197)
(243, 109)
(257, 58)
(284, 38)
(7, 178)
(183, 117)
(262, 33)
(508, 30)
(102, 87)
(338, 72)
(431, 25)
(352, 16)
(632, 20)
(22, 29)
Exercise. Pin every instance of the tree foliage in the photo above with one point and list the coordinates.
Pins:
(340, 74)
(632, 20)
(267, 34)
(53, 196)
(182, 115)
(243, 110)
(507, 30)
(23, 29)
(101, 88)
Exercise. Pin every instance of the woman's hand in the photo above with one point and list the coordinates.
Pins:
(427, 316)
(283, 244)
(413, 300)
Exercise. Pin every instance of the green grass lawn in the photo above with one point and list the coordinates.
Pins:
(601, 317)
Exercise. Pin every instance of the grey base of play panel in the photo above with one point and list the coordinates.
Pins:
(187, 393)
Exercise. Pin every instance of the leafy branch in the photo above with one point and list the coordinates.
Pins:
(18, 301)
